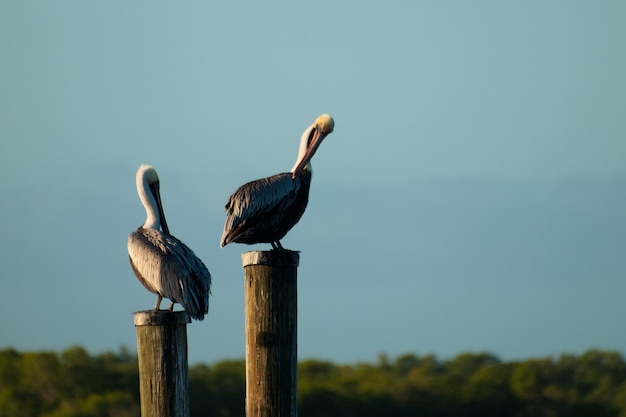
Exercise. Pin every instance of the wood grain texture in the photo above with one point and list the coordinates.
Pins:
(271, 336)
(163, 366)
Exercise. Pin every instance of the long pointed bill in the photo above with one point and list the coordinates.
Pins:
(157, 196)
(318, 137)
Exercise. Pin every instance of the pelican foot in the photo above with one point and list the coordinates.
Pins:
(277, 246)
(157, 307)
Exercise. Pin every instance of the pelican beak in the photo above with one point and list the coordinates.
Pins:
(157, 196)
(314, 143)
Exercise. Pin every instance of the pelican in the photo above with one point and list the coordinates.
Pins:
(161, 262)
(263, 211)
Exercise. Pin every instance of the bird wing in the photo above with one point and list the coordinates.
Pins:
(258, 199)
(171, 269)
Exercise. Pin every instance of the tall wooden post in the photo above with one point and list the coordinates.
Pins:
(163, 368)
(271, 333)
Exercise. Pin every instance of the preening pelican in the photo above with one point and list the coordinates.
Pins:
(263, 211)
(164, 264)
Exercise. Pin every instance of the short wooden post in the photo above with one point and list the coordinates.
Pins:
(163, 368)
(271, 333)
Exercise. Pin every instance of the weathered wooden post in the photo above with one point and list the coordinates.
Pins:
(163, 367)
(271, 333)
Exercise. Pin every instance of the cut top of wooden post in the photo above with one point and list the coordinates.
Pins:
(161, 318)
(272, 257)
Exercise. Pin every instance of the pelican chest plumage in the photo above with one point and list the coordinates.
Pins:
(263, 211)
(161, 262)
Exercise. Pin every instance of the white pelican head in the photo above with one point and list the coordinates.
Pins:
(148, 188)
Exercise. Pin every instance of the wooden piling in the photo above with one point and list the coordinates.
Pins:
(163, 367)
(271, 333)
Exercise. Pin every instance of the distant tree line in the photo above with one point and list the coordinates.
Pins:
(75, 383)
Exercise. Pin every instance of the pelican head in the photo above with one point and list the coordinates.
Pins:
(325, 123)
(148, 188)
(148, 174)
(311, 139)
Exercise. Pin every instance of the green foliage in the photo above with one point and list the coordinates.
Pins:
(77, 384)
(72, 383)
(219, 390)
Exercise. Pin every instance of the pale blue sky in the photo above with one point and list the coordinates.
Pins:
(472, 197)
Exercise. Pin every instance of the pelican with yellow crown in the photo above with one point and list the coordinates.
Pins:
(263, 211)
